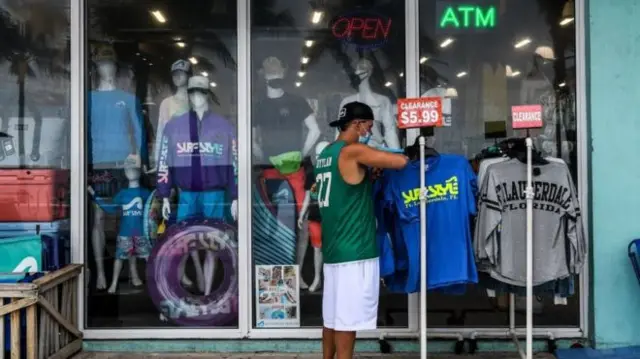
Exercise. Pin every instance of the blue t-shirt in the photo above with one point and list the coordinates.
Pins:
(130, 201)
(451, 190)
(115, 126)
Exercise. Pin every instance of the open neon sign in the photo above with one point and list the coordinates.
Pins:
(363, 29)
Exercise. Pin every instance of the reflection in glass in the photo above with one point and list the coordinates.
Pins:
(307, 62)
(34, 135)
(162, 165)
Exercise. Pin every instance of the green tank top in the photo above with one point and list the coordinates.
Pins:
(348, 220)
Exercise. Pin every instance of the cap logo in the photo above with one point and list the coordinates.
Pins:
(343, 112)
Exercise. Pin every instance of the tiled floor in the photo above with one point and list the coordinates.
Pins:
(289, 356)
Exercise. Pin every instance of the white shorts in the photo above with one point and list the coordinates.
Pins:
(350, 297)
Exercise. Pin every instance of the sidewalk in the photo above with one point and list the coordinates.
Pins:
(300, 356)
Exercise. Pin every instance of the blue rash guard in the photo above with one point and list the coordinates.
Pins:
(130, 201)
(451, 190)
(116, 126)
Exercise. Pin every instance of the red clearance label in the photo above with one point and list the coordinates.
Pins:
(526, 116)
(419, 112)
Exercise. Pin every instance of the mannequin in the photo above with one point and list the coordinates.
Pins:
(198, 155)
(281, 119)
(311, 216)
(174, 105)
(279, 116)
(381, 106)
(131, 242)
(113, 115)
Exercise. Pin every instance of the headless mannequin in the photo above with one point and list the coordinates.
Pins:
(106, 82)
(179, 79)
(303, 240)
(200, 105)
(381, 105)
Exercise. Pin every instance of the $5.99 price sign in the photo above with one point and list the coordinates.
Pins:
(419, 112)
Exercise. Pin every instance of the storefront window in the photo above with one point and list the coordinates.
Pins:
(482, 58)
(306, 62)
(162, 164)
(34, 135)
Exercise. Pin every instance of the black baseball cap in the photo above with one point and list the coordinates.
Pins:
(353, 111)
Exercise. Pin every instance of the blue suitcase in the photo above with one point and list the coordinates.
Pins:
(56, 245)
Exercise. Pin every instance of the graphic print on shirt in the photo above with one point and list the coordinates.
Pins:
(550, 197)
(163, 166)
(446, 191)
(129, 210)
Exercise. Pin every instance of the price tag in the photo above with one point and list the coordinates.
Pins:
(419, 112)
(526, 116)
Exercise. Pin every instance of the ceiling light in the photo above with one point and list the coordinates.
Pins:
(448, 41)
(204, 73)
(308, 43)
(461, 74)
(301, 74)
(523, 42)
(566, 21)
(150, 64)
(562, 84)
(304, 59)
(317, 16)
(193, 60)
(158, 15)
(423, 60)
(213, 84)
(388, 84)
(298, 84)
(402, 74)
(515, 73)
(181, 44)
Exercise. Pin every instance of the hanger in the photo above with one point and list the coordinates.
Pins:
(517, 148)
(413, 151)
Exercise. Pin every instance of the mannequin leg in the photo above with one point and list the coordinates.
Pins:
(199, 271)
(185, 280)
(133, 270)
(315, 237)
(303, 244)
(117, 268)
(209, 271)
(97, 237)
(317, 262)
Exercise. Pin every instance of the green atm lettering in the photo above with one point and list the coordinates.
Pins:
(468, 16)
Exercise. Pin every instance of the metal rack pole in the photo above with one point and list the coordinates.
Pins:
(423, 253)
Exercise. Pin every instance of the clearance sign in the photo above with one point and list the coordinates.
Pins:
(419, 112)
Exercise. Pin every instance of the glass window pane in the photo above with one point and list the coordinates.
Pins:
(306, 62)
(162, 164)
(483, 58)
(34, 135)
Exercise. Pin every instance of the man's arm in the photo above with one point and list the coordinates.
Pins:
(372, 157)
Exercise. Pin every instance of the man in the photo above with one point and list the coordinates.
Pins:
(350, 253)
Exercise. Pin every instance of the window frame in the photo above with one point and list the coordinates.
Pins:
(245, 327)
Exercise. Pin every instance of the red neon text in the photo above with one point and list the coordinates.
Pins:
(366, 28)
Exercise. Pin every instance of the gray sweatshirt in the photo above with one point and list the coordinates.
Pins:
(559, 246)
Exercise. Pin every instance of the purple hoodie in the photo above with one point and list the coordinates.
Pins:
(198, 155)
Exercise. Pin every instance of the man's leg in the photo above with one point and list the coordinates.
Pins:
(328, 343)
(345, 342)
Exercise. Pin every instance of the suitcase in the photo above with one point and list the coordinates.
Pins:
(34, 195)
(56, 240)
(34, 142)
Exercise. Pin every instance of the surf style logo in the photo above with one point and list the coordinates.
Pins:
(202, 148)
(133, 208)
(27, 265)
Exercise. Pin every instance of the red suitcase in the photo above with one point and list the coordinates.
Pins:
(33, 195)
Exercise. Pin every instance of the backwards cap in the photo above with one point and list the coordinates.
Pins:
(353, 111)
